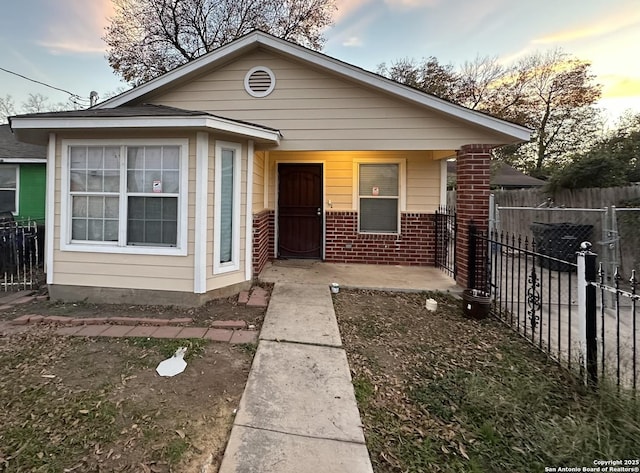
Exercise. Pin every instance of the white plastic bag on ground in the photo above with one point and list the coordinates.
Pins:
(174, 365)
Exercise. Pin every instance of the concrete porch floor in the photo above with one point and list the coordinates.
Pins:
(359, 276)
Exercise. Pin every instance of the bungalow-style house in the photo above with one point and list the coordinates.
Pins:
(22, 178)
(181, 189)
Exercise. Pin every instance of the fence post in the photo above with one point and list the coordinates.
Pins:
(471, 255)
(587, 312)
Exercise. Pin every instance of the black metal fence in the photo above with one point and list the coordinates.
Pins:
(446, 233)
(550, 301)
(20, 255)
(615, 323)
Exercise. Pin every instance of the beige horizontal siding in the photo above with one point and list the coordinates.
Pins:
(317, 110)
(422, 176)
(125, 270)
(258, 181)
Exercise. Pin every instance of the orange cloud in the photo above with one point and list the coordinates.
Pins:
(346, 7)
(599, 27)
(620, 86)
(412, 3)
(80, 28)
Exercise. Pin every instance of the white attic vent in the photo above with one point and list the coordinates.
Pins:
(259, 81)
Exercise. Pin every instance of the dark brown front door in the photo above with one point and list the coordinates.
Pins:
(300, 210)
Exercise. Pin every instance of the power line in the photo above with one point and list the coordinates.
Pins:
(73, 96)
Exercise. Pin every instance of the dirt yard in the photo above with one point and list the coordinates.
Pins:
(73, 404)
(441, 393)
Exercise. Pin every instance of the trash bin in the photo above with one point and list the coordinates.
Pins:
(560, 241)
(475, 304)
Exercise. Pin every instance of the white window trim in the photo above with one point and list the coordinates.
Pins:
(17, 188)
(97, 247)
(402, 188)
(234, 264)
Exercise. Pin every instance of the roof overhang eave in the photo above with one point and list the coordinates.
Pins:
(246, 130)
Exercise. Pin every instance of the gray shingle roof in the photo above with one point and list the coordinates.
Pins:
(144, 110)
(10, 147)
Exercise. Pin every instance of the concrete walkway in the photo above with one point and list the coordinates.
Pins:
(298, 411)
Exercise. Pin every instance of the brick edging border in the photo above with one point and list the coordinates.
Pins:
(230, 331)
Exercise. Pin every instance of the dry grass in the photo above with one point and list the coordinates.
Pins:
(438, 392)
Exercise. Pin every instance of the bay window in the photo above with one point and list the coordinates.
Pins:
(126, 197)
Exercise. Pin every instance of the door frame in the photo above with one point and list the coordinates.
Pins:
(323, 223)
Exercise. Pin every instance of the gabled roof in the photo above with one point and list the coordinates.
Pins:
(14, 151)
(138, 116)
(256, 39)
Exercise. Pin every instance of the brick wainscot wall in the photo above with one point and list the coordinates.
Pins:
(263, 239)
(414, 246)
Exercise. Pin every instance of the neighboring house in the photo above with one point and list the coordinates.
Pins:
(503, 176)
(22, 177)
(182, 189)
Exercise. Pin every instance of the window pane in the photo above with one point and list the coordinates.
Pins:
(135, 181)
(78, 229)
(7, 201)
(384, 177)
(96, 207)
(94, 230)
(152, 220)
(135, 157)
(94, 181)
(112, 157)
(94, 169)
(111, 207)
(153, 182)
(153, 157)
(79, 206)
(170, 157)
(110, 230)
(379, 215)
(78, 181)
(111, 180)
(79, 157)
(226, 206)
(153, 169)
(7, 177)
(170, 182)
(95, 158)
(94, 218)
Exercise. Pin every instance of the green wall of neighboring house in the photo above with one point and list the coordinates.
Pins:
(32, 192)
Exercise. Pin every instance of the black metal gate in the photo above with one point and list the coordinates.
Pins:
(446, 231)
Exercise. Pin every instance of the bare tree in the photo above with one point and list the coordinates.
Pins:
(7, 108)
(551, 93)
(561, 93)
(428, 75)
(147, 38)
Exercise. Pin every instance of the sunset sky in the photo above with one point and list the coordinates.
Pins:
(59, 42)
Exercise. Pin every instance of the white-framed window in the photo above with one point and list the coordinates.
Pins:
(380, 187)
(125, 196)
(226, 218)
(9, 177)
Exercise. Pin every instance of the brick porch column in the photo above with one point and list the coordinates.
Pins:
(472, 200)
